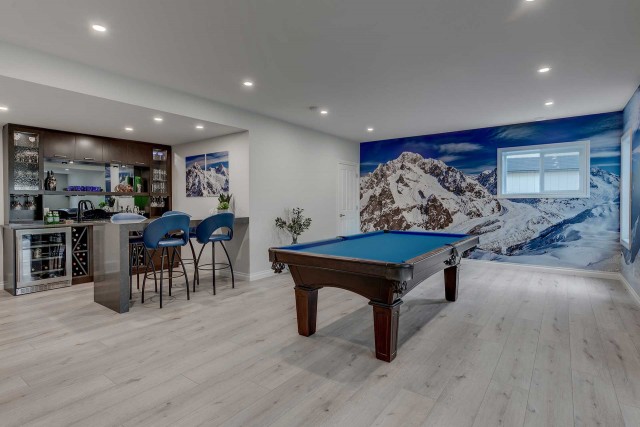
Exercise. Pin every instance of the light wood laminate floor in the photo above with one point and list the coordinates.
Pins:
(517, 349)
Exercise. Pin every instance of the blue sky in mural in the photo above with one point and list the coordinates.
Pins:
(191, 160)
(214, 159)
(473, 151)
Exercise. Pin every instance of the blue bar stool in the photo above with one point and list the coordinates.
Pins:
(192, 233)
(206, 233)
(136, 245)
(164, 233)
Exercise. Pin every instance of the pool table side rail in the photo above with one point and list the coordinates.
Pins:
(338, 263)
(402, 272)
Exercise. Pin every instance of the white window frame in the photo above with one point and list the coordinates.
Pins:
(585, 170)
(626, 188)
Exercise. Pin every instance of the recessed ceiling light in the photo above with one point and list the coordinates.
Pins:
(3, 108)
(529, 0)
(248, 83)
(158, 119)
(324, 112)
(369, 129)
(544, 69)
(549, 103)
(129, 129)
(199, 127)
(99, 28)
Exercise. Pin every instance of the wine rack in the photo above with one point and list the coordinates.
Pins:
(81, 266)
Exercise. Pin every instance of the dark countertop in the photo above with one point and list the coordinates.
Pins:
(40, 224)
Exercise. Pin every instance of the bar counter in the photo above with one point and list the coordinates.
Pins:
(110, 256)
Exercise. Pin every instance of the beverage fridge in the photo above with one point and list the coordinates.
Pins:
(42, 259)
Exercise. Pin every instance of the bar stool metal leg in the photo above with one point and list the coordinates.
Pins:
(144, 281)
(171, 259)
(161, 273)
(138, 248)
(233, 279)
(197, 264)
(184, 270)
(213, 265)
(195, 274)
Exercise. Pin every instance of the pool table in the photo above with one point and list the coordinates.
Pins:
(381, 266)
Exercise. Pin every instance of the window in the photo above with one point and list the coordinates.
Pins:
(625, 190)
(550, 170)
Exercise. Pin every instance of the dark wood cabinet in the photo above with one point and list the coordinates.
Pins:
(139, 154)
(26, 149)
(115, 151)
(89, 148)
(58, 145)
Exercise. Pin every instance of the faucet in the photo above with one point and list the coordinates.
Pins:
(83, 206)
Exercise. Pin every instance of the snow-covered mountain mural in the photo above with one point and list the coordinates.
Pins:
(207, 174)
(448, 182)
(630, 263)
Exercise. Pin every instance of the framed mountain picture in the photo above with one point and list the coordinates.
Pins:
(207, 175)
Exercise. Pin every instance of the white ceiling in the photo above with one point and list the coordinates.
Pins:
(43, 106)
(405, 67)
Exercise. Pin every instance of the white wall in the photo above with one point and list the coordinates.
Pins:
(2, 196)
(294, 168)
(290, 165)
(198, 207)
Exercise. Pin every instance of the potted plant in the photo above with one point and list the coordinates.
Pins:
(296, 225)
(224, 202)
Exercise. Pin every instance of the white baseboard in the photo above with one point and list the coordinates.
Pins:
(239, 275)
(613, 275)
(630, 289)
(261, 275)
(569, 271)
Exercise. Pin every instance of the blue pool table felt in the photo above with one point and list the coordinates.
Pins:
(392, 246)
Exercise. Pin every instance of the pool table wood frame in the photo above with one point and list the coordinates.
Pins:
(382, 283)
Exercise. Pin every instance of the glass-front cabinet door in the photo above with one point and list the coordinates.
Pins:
(26, 169)
(43, 259)
(24, 174)
(160, 182)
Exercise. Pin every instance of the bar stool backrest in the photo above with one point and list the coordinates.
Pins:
(209, 225)
(158, 229)
(169, 213)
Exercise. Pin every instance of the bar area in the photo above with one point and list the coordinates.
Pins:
(61, 190)
(65, 195)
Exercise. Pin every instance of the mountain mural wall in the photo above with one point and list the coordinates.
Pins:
(630, 262)
(448, 182)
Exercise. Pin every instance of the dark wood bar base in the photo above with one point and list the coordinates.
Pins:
(386, 319)
(306, 310)
(451, 276)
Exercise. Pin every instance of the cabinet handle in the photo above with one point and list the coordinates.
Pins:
(115, 161)
(60, 156)
(89, 158)
(140, 163)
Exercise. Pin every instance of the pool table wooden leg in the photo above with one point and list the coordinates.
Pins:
(306, 310)
(451, 283)
(385, 325)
